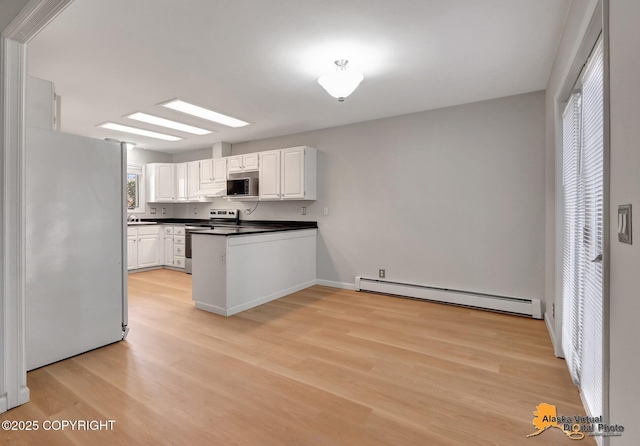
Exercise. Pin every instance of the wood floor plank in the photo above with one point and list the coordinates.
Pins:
(319, 367)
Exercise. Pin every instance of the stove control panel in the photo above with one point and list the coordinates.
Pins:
(224, 214)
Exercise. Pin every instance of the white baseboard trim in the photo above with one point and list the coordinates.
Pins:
(141, 270)
(332, 284)
(552, 334)
(24, 395)
(254, 303)
(211, 308)
(23, 398)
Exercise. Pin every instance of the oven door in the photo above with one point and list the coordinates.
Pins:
(188, 230)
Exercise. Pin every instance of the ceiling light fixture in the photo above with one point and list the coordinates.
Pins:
(204, 113)
(137, 131)
(156, 120)
(342, 82)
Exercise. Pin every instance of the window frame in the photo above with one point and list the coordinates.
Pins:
(137, 169)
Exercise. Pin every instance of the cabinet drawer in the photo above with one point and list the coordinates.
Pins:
(178, 239)
(148, 230)
(178, 261)
(132, 231)
(168, 230)
(178, 250)
(178, 230)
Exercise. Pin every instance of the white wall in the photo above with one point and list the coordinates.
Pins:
(193, 155)
(625, 188)
(449, 198)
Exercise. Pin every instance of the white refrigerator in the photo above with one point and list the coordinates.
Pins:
(76, 276)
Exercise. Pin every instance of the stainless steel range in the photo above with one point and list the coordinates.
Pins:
(217, 218)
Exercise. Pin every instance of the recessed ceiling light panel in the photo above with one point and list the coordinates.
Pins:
(137, 131)
(204, 113)
(156, 120)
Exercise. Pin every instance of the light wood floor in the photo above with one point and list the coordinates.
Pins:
(319, 367)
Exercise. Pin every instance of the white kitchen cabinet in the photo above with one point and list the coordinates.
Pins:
(213, 177)
(148, 250)
(181, 182)
(179, 252)
(219, 170)
(173, 246)
(249, 162)
(161, 182)
(168, 250)
(143, 247)
(187, 181)
(206, 172)
(277, 263)
(288, 174)
(298, 173)
(178, 262)
(193, 180)
(234, 164)
(269, 176)
(132, 252)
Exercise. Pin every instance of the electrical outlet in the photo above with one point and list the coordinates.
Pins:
(222, 258)
(195, 210)
(153, 210)
(164, 210)
(304, 210)
(553, 309)
(326, 211)
(381, 273)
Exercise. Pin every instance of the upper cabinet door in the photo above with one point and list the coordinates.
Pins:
(269, 177)
(243, 163)
(250, 161)
(206, 171)
(193, 181)
(234, 164)
(293, 180)
(220, 170)
(165, 182)
(181, 182)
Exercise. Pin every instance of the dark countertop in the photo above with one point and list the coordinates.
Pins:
(243, 228)
(176, 221)
(259, 227)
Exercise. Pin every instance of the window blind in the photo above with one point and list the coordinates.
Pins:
(592, 180)
(582, 180)
(572, 194)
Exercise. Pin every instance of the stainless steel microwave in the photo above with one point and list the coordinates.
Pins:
(242, 187)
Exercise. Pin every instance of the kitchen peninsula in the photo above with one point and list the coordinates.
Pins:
(237, 268)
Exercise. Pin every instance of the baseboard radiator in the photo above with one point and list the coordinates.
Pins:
(512, 305)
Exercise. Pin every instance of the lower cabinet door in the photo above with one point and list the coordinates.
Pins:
(178, 261)
(148, 251)
(132, 252)
(168, 250)
(178, 250)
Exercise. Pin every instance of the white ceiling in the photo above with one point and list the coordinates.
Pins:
(259, 60)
